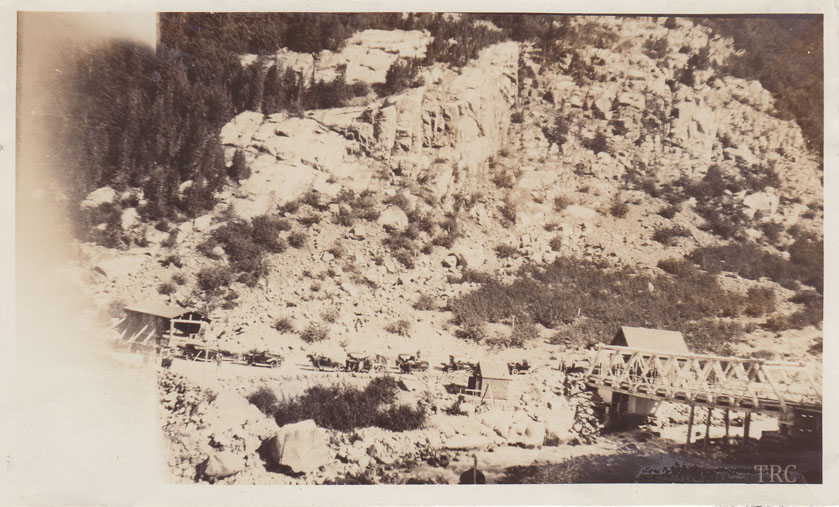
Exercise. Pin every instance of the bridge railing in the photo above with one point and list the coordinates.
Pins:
(717, 380)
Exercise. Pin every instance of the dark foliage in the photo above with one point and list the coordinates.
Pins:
(400, 327)
(760, 301)
(668, 235)
(506, 251)
(246, 244)
(669, 211)
(562, 293)
(265, 400)
(297, 239)
(266, 230)
(215, 278)
(656, 48)
(314, 333)
(239, 169)
(562, 202)
(786, 54)
(345, 408)
(284, 325)
(132, 121)
(402, 74)
(166, 289)
(599, 143)
(425, 303)
(557, 132)
(678, 267)
(805, 265)
(619, 208)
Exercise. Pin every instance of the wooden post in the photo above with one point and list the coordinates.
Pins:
(474, 469)
(690, 423)
(707, 428)
(726, 426)
(746, 424)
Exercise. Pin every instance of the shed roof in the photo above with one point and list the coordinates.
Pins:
(494, 369)
(657, 340)
(159, 310)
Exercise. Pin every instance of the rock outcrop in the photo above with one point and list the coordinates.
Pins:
(364, 58)
(301, 447)
(460, 118)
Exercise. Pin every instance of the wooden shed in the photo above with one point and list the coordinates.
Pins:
(153, 325)
(654, 340)
(490, 379)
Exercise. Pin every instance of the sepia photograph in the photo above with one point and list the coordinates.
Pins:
(419, 248)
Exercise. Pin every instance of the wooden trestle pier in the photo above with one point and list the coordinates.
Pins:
(786, 390)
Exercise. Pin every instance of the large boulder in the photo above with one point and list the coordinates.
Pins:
(220, 465)
(472, 255)
(526, 432)
(579, 212)
(118, 267)
(393, 218)
(241, 129)
(300, 447)
(380, 453)
(467, 442)
(498, 421)
(766, 202)
(558, 423)
(129, 218)
(100, 196)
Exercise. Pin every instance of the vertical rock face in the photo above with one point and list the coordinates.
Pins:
(462, 117)
(365, 57)
(458, 117)
(693, 125)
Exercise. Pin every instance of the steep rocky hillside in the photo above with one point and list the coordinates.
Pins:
(636, 157)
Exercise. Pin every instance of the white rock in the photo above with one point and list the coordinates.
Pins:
(129, 218)
(393, 217)
(220, 465)
(766, 202)
(450, 261)
(100, 196)
(118, 267)
(467, 442)
(300, 446)
(472, 255)
(579, 212)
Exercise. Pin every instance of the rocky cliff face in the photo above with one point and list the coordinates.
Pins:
(658, 123)
(450, 126)
(365, 57)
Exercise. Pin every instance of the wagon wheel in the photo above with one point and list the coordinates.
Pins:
(514, 371)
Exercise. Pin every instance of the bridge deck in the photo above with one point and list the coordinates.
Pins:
(750, 385)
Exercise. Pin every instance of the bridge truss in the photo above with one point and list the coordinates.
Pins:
(750, 385)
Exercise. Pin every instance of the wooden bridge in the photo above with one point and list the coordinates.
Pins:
(786, 390)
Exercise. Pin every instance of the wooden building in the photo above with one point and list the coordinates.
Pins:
(490, 379)
(643, 339)
(653, 340)
(150, 325)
